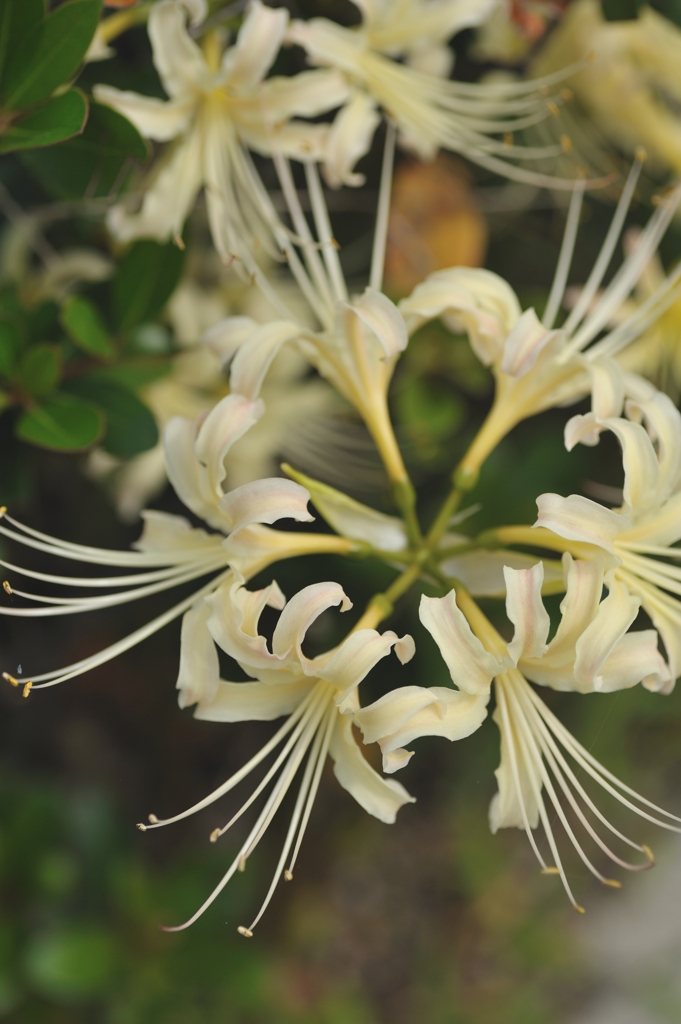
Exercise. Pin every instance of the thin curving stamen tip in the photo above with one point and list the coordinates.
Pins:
(288, 875)
(649, 854)
(611, 882)
(27, 688)
(141, 826)
(242, 863)
(215, 835)
(177, 239)
(508, 138)
(566, 143)
(6, 587)
(153, 819)
(10, 679)
(641, 154)
(3, 510)
(246, 932)
(580, 910)
(550, 871)
(552, 108)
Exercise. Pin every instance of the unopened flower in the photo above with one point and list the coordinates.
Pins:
(317, 695)
(429, 111)
(536, 365)
(219, 105)
(170, 552)
(592, 650)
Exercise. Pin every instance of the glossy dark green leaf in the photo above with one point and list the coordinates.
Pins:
(93, 162)
(49, 54)
(40, 369)
(83, 324)
(65, 423)
(138, 372)
(10, 346)
(60, 118)
(18, 18)
(146, 278)
(131, 427)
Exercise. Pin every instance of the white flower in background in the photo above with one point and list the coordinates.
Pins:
(591, 651)
(195, 383)
(629, 85)
(317, 695)
(637, 538)
(429, 111)
(536, 365)
(219, 105)
(171, 552)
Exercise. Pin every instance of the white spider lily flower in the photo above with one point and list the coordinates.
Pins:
(591, 651)
(537, 366)
(639, 537)
(628, 89)
(429, 111)
(219, 106)
(170, 552)
(317, 696)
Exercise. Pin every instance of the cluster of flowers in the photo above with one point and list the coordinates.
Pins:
(615, 562)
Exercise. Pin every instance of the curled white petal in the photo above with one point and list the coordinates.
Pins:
(471, 667)
(526, 611)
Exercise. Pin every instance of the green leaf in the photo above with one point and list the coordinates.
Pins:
(17, 19)
(60, 118)
(48, 55)
(83, 324)
(137, 372)
(146, 278)
(10, 346)
(65, 423)
(40, 369)
(669, 8)
(131, 427)
(93, 161)
(72, 963)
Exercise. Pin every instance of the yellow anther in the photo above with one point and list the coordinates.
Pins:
(10, 679)
(553, 109)
(580, 910)
(288, 875)
(6, 587)
(508, 138)
(241, 866)
(550, 871)
(566, 143)
(153, 819)
(612, 882)
(3, 510)
(177, 239)
(27, 688)
(649, 853)
(335, 244)
(641, 154)
(215, 835)
(141, 826)
(566, 94)
(246, 932)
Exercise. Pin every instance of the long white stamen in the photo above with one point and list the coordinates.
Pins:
(324, 302)
(324, 232)
(301, 711)
(307, 790)
(565, 258)
(313, 709)
(321, 761)
(641, 319)
(510, 735)
(108, 653)
(593, 282)
(383, 210)
(74, 606)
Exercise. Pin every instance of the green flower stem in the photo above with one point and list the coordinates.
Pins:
(404, 497)
(381, 605)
